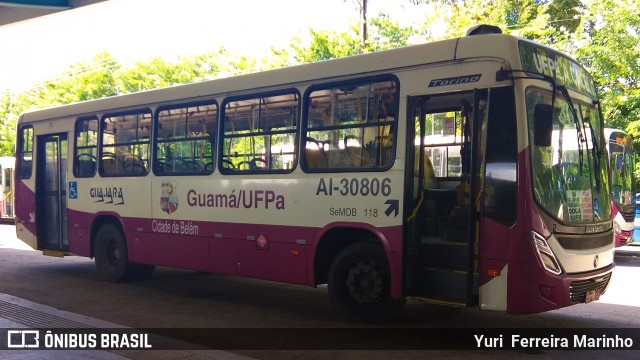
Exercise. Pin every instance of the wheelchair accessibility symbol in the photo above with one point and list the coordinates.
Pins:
(73, 189)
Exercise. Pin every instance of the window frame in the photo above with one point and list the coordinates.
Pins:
(213, 138)
(101, 144)
(296, 132)
(458, 141)
(305, 129)
(20, 152)
(76, 147)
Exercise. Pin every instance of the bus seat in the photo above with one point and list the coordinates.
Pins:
(86, 167)
(457, 226)
(315, 158)
(133, 165)
(109, 166)
(430, 180)
(445, 199)
(359, 157)
(432, 225)
(442, 202)
(338, 158)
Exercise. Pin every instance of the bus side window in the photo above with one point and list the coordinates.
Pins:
(355, 122)
(25, 155)
(184, 139)
(86, 147)
(260, 133)
(125, 144)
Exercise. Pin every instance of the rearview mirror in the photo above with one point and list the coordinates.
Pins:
(619, 162)
(543, 127)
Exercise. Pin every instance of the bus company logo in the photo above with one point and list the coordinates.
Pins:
(23, 339)
(169, 197)
(465, 79)
(107, 195)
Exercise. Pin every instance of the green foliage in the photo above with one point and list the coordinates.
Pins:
(612, 29)
(158, 73)
(388, 34)
(83, 81)
(155, 73)
(326, 45)
(608, 44)
(384, 34)
(8, 119)
(604, 35)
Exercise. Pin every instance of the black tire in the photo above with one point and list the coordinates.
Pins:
(360, 286)
(142, 271)
(112, 258)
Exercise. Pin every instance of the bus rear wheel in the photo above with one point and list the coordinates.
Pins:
(112, 260)
(360, 285)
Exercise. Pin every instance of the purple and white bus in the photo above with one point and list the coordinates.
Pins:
(322, 174)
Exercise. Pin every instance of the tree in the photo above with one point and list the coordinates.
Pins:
(608, 44)
(383, 34)
(156, 72)
(388, 34)
(611, 49)
(152, 74)
(602, 34)
(8, 120)
(83, 81)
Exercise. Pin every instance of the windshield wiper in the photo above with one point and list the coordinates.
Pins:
(560, 142)
(576, 121)
(595, 152)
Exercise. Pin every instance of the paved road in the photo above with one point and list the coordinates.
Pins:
(185, 299)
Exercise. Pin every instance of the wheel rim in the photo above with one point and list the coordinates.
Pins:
(113, 253)
(365, 283)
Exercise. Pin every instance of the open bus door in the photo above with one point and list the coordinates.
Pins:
(51, 202)
(442, 223)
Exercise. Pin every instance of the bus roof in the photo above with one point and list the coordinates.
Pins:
(617, 136)
(491, 46)
(609, 131)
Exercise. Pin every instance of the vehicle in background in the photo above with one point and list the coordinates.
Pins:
(636, 223)
(7, 165)
(622, 167)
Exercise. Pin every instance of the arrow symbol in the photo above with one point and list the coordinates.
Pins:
(394, 205)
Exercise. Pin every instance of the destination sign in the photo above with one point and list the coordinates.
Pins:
(564, 70)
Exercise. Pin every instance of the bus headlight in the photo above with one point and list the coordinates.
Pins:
(545, 254)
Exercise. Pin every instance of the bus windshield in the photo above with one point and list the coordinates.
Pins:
(568, 162)
(622, 166)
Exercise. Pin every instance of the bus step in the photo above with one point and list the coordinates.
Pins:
(53, 253)
(445, 284)
(437, 301)
(444, 254)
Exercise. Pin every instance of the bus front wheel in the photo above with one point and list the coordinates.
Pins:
(360, 285)
(112, 261)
